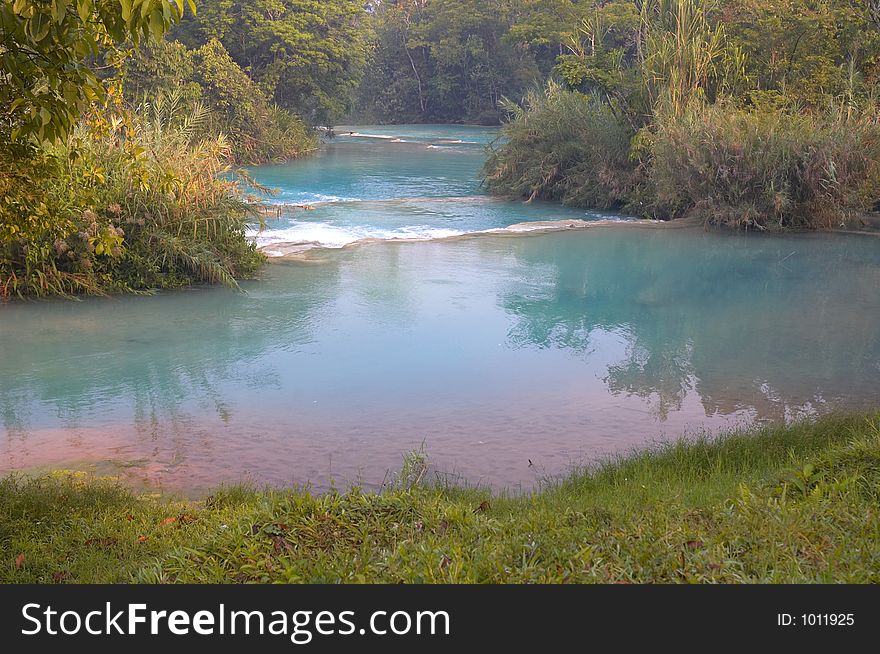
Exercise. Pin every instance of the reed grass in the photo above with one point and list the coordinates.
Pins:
(562, 145)
(130, 202)
(766, 169)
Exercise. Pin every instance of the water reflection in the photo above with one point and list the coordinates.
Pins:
(496, 350)
(156, 357)
(772, 324)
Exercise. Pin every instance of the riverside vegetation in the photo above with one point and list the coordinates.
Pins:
(669, 108)
(123, 124)
(126, 182)
(770, 504)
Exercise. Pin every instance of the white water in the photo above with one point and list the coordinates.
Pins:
(412, 182)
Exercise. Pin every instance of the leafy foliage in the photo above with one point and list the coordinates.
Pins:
(806, 53)
(110, 201)
(756, 115)
(44, 47)
(236, 106)
(306, 55)
(454, 60)
(563, 145)
(127, 202)
(97, 198)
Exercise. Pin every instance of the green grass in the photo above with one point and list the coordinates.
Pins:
(774, 504)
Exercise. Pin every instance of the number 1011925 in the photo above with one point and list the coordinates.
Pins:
(815, 620)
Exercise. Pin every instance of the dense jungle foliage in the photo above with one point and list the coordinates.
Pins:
(117, 150)
(742, 113)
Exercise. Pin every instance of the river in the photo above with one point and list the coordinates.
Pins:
(407, 313)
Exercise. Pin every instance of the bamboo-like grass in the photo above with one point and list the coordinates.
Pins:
(766, 169)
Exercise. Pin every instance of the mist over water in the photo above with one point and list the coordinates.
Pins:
(493, 350)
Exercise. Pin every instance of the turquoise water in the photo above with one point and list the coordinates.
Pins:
(411, 182)
(510, 357)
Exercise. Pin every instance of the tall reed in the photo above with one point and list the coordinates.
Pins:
(683, 55)
(766, 168)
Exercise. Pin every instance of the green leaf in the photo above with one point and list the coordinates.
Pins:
(126, 10)
(42, 30)
(81, 48)
(157, 25)
(59, 10)
(84, 9)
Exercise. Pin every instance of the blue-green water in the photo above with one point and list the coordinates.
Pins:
(495, 350)
(411, 182)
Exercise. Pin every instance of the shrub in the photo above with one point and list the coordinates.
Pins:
(765, 168)
(563, 145)
(126, 203)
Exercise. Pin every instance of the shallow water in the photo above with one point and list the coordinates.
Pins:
(410, 182)
(510, 357)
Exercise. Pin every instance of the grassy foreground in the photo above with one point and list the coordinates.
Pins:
(778, 504)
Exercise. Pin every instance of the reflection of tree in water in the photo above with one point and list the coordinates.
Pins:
(154, 354)
(729, 316)
(554, 318)
(664, 372)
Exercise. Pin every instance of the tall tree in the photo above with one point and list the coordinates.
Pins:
(306, 54)
(805, 51)
(446, 60)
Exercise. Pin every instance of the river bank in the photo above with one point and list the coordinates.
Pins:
(773, 504)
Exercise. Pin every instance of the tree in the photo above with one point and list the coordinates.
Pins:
(446, 60)
(208, 81)
(307, 55)
(805, 52)
(45, 48)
